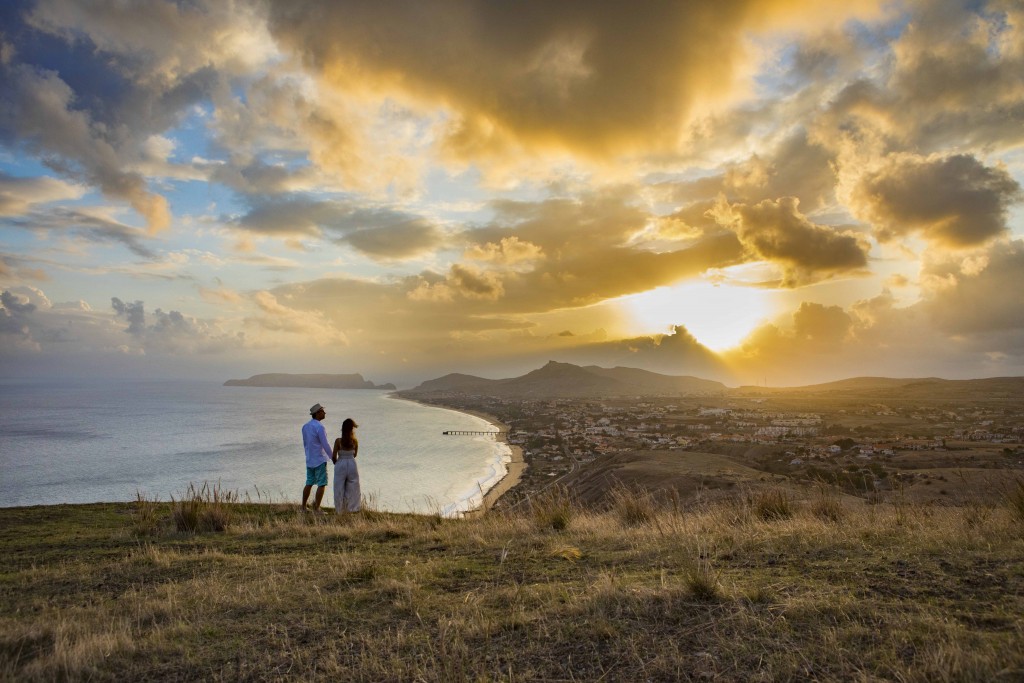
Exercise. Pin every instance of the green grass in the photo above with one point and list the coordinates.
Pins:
(117, 592)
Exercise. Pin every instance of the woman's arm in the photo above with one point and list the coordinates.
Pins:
(337, 447)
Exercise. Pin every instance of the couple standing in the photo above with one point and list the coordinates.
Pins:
(343, 455)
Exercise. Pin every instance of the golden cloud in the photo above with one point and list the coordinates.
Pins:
(595, 79)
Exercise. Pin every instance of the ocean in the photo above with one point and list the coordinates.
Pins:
(83, 441)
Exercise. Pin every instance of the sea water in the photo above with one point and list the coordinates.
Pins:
(91, 441)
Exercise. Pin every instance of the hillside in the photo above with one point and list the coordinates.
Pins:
(758, 588)
(316, 381)
(568, 380)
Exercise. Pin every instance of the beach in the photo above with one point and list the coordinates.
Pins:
(514, 468)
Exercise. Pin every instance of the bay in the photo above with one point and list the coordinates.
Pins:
(93, 441)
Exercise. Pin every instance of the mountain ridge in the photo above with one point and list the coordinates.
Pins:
(566, 380)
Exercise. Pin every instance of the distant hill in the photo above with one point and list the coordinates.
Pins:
(568, 380)
(319, 381)
(905, 388)
(573, 381)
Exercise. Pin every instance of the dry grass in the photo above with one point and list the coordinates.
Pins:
(633, 507)
(771, 504)
(553, 509)
(1015, 500)
(827, 505)
(207, 508)
(911, 593)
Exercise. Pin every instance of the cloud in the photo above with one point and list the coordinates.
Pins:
(14, 324)
(953, 201)
(462, 281)
(19, 195)
(134, 313)
(380, 233)
(509, 251)
(778, 232)
(230, 35)
(111, 76)
(90, 223)
(977, 295)
(311, 325)
(595, 79)
(40, 116)
(172, 332)
(794, 167)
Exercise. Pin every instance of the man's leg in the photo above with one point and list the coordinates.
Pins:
(319, 496)
(305, 494)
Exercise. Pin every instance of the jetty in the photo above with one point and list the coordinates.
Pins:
(460, 432)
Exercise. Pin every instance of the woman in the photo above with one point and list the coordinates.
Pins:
(346, 476)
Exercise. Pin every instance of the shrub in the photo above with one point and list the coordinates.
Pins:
(553, 509)
(204, 509)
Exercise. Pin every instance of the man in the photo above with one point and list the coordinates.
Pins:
(318, 453)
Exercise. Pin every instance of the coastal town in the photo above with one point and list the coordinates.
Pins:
(864, 447)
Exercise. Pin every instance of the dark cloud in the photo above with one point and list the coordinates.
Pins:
(173, 332)
(85, 86)
(394, 236)
(595, 78)
(474, 284)
(14, 319)
(377, 232)
(824, 325)
(40, 116)
(777, 231)
(134, 313)
(953, 201)
(95, 228)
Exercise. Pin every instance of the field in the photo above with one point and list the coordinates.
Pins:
(768, 585)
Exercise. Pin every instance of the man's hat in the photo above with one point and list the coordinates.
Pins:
(315, 409)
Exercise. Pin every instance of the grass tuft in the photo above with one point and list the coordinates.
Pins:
(553, 509)
(702, 579)
(203, 509)
(633, 507)
(1015, 500)
(772, 504)
(827, 506)
(146, 519)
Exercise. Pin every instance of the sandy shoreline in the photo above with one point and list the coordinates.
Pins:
(514, 468)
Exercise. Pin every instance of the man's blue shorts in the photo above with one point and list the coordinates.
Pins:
(317, 475)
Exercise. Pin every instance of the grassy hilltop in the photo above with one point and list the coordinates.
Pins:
(767, 586)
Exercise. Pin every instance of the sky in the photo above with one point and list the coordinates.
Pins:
(776, 192)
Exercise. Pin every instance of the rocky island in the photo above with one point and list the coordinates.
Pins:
(314, 381)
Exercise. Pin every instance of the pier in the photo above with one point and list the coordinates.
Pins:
(459, 432)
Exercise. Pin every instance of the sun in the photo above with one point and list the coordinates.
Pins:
(720, 316)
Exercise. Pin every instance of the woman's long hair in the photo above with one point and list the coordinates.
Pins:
(348, 439)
